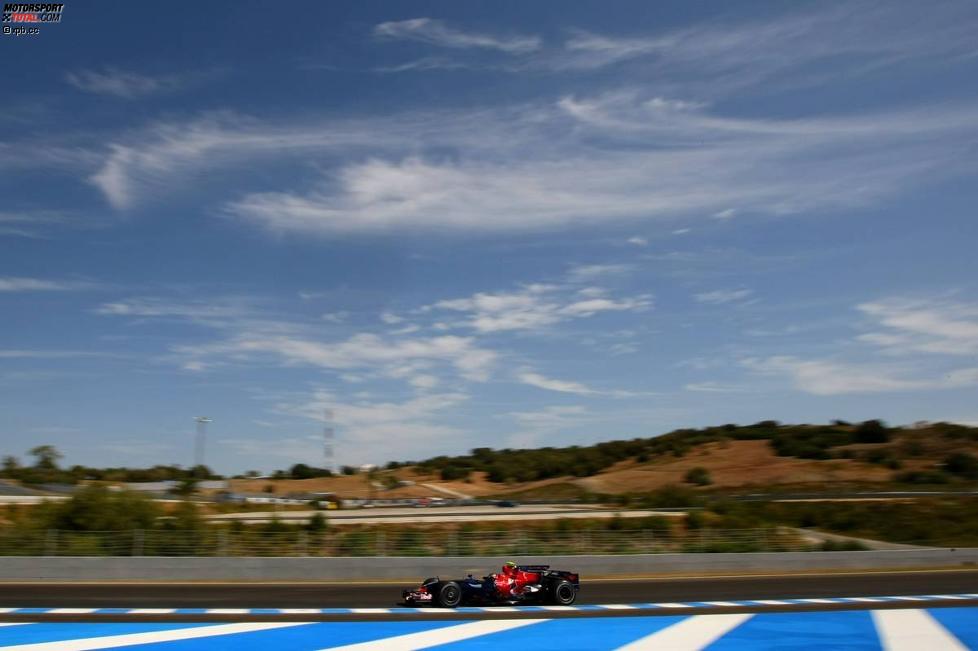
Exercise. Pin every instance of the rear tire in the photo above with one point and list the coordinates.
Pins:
(564, 593)
(449, 595)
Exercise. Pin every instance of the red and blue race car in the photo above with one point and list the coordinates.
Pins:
(516, 584)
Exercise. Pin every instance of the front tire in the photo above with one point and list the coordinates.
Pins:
(564, 593)
(450, 595)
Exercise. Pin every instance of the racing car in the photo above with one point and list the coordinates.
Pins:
(516, 584)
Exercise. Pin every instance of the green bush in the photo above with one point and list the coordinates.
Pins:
(962, 464)
(96, 508)
(699, 476)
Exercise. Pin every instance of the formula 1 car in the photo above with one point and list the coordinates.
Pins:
(517, 584)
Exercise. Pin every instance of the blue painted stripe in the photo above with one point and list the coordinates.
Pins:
(850, 630)
(800, 631)
(962, 623)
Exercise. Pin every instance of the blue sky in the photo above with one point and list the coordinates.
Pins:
(475, 224)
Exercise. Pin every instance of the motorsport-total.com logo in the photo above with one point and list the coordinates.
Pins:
(25, 18)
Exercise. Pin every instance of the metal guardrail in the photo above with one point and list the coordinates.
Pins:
(407, 542)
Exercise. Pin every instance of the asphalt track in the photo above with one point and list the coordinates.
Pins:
(366, 595)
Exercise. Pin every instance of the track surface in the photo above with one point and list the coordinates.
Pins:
(306, 595)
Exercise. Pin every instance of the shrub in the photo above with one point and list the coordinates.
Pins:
(872, 431)
(922, 477)
(962, 464)
(699, 476)
(842, 546)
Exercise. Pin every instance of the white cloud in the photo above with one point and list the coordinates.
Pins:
(550, 417)
(424, 382)
(283, 450)
(533, 308)
(723, 296)
(361, 351)
(436, 32)
(618, 157)
(49, 354)
(626, 161)
(681, 231)
(376, 431)
(828, 378)
(120, 83)
(534, 379)
(423, 64)
(33, 223)
(541, 424)
(587, 273)
(923, 326)
(249, 335)
(713, 387)
(153, 160)
(723, 55)
(21, 284)
(638, 241)
(214, 311)
(728, 213)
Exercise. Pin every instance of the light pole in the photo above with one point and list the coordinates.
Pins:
(201, 436)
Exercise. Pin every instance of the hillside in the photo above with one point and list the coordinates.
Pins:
(763, 456)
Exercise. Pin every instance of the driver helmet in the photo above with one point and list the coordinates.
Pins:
(510, 567)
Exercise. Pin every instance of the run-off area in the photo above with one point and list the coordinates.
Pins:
(933, 629)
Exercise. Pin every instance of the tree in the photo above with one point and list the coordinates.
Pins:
(185, 487)
(96, 508)
(185, 517)
(10, 466)
(699, 476)
(317, 523)
(45, 457)
(201, 472)
(962, 464)
(301, 471)
(872, 431)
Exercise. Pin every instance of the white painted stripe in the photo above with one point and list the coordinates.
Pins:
(913, 630)
(70, 611)
(300, 611)
(618, 607)
(946, 596)
(672, 605)
(908, 598)
(863, 599)
(721, 603)
(228, 611)
(500, 609)
(690, 634)
(569, 607)
(112, 641)
(771, 602)
(151, 611)
(371, 611)
(446, 635)
(14, 623)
